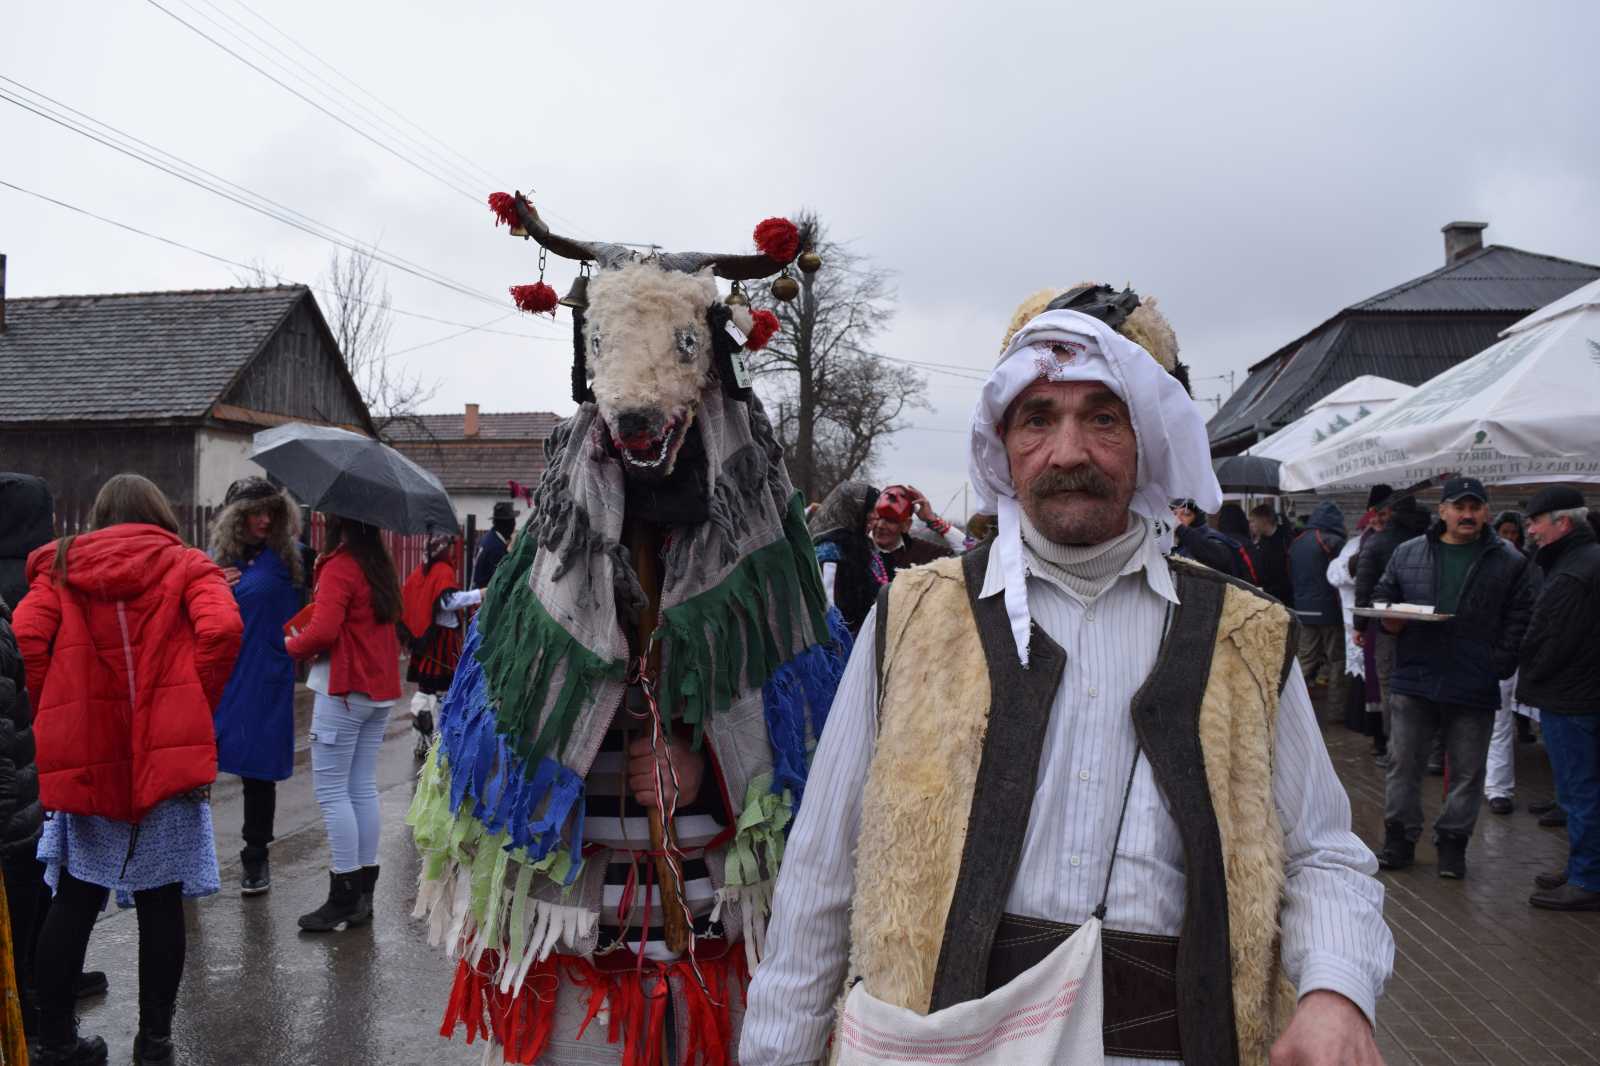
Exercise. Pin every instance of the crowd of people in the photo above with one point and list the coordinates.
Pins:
(134, 669)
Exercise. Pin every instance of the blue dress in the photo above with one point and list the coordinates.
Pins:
(173, 843)
(255, 720)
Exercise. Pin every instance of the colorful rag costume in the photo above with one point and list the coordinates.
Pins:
(435, 645)
(750, 658)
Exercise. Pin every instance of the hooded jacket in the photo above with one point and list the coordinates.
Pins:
(27, 520)
(128, 656)
(1315, 601)
(20, 814)
(1559, 665)
(1461, 661)
(1406, 521)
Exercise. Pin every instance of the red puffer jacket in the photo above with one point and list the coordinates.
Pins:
(128, 658)
(363, 653)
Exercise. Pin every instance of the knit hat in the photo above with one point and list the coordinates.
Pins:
(247, 489)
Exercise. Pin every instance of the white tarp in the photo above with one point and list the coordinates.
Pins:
(1525, 410)
(1359, 398)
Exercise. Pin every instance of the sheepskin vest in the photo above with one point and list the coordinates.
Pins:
(941, 834)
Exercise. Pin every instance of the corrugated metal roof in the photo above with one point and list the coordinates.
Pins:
(130, 356)
(1408, 333)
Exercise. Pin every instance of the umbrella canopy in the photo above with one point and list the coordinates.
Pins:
(1349, 403)
(346, 474)
(1247, 473)
(1526, 409)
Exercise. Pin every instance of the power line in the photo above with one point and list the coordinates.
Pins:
(484, 328)
(475, 198)
(278, 212)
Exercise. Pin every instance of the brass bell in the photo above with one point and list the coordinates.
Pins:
(737, 298)
(517, 230)
(786, 288)
(809, 261)
(577, 297)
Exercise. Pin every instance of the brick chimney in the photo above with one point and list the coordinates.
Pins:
(2, 292)
(1461, 239)
(469, 425)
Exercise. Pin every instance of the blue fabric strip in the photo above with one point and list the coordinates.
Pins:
(795, 702)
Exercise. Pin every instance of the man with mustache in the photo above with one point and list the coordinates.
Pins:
(1446, 675)
(1068, 726)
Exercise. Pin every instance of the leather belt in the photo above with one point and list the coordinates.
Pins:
(1139, 973)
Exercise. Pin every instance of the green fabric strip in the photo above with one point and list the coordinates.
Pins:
(757, 848)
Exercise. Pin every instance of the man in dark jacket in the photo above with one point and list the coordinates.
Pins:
(27, 520)
(21, 817)
(494, 544)
(1559, 673)
(1316, 602)
(1402, 519)
(1269, 548)
(1447, 674)
(1194, 539)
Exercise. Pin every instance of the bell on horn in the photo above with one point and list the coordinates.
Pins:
(578, 296)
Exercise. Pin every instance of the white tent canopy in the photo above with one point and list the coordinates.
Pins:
(1526, 409)
(1343, 407)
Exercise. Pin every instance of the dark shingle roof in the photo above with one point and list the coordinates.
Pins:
(509, 446)
(1409, 333)
(131, 356)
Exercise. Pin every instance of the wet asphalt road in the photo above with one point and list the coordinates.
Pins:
(256, 990)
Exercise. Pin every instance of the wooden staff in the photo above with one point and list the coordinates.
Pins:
(645, 539)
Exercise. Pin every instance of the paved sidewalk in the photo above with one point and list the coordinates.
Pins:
(1480, 976)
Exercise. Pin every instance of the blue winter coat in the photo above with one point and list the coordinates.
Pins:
(1315, 601)
(255, 720)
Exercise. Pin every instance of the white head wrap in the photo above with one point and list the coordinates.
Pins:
(1174, 452)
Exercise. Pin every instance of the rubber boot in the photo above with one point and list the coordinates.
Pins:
(342, 909)
(369, 881)
(1399, 850)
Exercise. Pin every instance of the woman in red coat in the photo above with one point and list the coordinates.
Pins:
(355, 672)
(128, 637)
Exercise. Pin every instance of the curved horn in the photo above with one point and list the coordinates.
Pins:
(733, 267)
(607, 255)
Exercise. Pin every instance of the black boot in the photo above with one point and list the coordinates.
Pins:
(1452, 855)
(91, 983)
(257, 875)
(62, 1046)
(153, 1044)
(343, 908)
(1399, 850)
(369, 881)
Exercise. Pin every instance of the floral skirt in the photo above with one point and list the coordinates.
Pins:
(174, 842)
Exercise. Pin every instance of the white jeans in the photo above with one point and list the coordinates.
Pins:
(1500, 776)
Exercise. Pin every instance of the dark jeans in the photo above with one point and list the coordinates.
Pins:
(25, 888)
(65, 939)
(1573, 741)
(260, 807)
(1466, 731)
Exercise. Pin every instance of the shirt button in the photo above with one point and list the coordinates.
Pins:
(1083, 775)
(1093, 692)
(1076, 861)
(1088, 616)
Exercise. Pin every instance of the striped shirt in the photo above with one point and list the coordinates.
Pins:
(1333, 938)
(613, 820)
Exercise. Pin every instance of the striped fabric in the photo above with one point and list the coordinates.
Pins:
(1334, 936)
(614, 821)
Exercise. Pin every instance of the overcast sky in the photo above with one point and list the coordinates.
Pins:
(1254, 168)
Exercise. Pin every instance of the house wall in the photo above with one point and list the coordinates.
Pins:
(221, 458)
(298, 375)
(76, 461)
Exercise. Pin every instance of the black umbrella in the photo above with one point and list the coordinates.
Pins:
(346, 474)
(1247, 473)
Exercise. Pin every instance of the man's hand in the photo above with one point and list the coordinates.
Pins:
(1393, 626)
(1360, 637)
(1326, 1030)
(690, 765)
(920, 505)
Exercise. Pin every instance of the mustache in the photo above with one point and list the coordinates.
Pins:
(1082, 478)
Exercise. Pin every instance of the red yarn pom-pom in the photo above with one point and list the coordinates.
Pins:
(537, 297)
(762, 330)
(778, 238)
(504, 206)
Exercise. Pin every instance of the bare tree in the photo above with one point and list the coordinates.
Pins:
(257, 275)
(836, 399)
(360, 318)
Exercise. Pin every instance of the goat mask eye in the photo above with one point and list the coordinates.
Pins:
(594, 343)
(688, 345)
